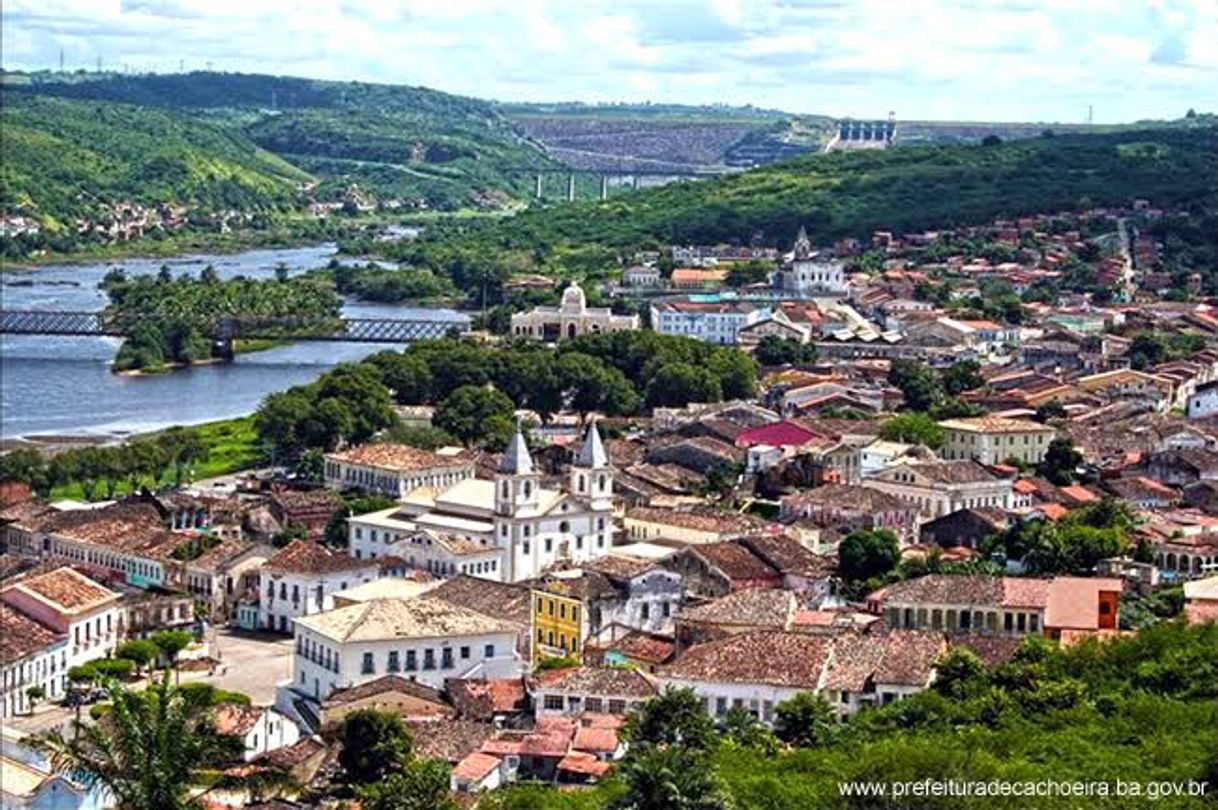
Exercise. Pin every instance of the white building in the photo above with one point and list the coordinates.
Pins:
(261, 728)
(804, 274)
(708, 321)
(302, 579)
(1204, 401)
(393, 470)
(31, 655)
(70, 604)
(424, 639)
(531, 526)
(941, 487)
(387, 532)
(570, 319)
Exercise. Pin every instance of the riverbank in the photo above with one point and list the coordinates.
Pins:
(231, 444)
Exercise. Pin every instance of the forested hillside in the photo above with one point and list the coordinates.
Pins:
(65, 158)
(850, 193)
(396, 142)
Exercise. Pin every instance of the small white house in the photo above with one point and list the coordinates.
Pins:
(1204, 401)
(261, 728)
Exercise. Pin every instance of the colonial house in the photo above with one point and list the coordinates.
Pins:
(940, 488)
(31, 655)
(708, 321)
(742, 611)
(260, 728)
(1060, 608)
(965, 527)
(393, 470)
(751, 671)
(994, 439)
(645, 523)
(845, 508)
(716, 569)
(571, 318)
(389, 532)
(71, 605)
(575, 690)
(533, 527)
(302, 579)
(426, 639)
(876, 668)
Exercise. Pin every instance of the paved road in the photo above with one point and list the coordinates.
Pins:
(251, 664)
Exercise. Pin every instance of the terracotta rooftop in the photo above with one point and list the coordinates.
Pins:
(953, 472)
(847, 497)
(735, 561)
(583, 763)
(235, 719)
(476, 766)
(900, 657)
(505, 601)
(388, 684)
(595, 740)
(387, 619)
(20, 635)
(703, 520)
(750, 607)
(795, 660)
(398, 457)
(67, 590)
(643, 647)
(310, 557)
(483, 699)
(448, 740)
(611, 681)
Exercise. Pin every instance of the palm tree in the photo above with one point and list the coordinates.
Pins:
(668, 777)
(153, 750)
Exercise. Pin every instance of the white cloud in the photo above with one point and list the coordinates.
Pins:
(1007, 59)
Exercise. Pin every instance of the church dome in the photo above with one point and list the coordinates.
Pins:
(573, 299)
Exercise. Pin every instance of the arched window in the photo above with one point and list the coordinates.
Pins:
(528, 488)
(506, 491)
(564, 527)
(580, 483)
(601, 481)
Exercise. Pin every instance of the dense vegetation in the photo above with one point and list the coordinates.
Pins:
(65, 159)
(476, 388)
(1141, 709)
(395, 140)
(172, 319)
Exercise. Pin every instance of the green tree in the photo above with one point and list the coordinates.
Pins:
(805, 720)
(961, 377)
(743, 728)
(867, 553)
(419, 785)
(475, 415)
(140, 652)
(373, 745)
(1053, 409)
(170, 643)
(913, 428)
(153, 750)
(1060, 462)
(670, 778)
(917, 383)
(959, 673)
(678, 384)
(33, 695)
(773, 350)
(674, 718)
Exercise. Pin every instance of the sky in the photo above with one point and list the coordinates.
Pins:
(999, 60)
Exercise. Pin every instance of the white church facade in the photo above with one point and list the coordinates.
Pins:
(804, 274)
(571, 318)
(526, 526)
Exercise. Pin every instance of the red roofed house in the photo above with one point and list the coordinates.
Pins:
(1000, 605)
(783, 435)
(71, 604)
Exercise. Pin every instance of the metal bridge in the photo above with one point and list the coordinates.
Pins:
(225, 330)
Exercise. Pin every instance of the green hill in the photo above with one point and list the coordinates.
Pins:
(63, 158)
(853, 193)
(395, 140)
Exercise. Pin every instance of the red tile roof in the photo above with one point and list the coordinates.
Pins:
(20, 635)
(777, 658)
(67, 589)
(779, 434)
(476, 766)
(310, 557)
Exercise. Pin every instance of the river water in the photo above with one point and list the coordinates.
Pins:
(63, 386)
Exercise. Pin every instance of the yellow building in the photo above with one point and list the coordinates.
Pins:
(558, 622)
(994, 439)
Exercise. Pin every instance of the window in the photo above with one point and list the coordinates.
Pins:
(429, 659)
(562, 611)
(574, 614)
(564, 527)
(593, 704)
(539, 604)
(393, 662)
(367, 668)
(446, 658)
(549, 545)
(464, 653)
(645, 611)
(720, 706)
(617, 706)
(488, 651)
(553, 702)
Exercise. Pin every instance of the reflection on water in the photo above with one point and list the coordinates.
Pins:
(62, 385)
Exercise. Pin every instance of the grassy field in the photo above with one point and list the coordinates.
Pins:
(232, 446)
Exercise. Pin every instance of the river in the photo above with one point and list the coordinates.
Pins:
(62, 386)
